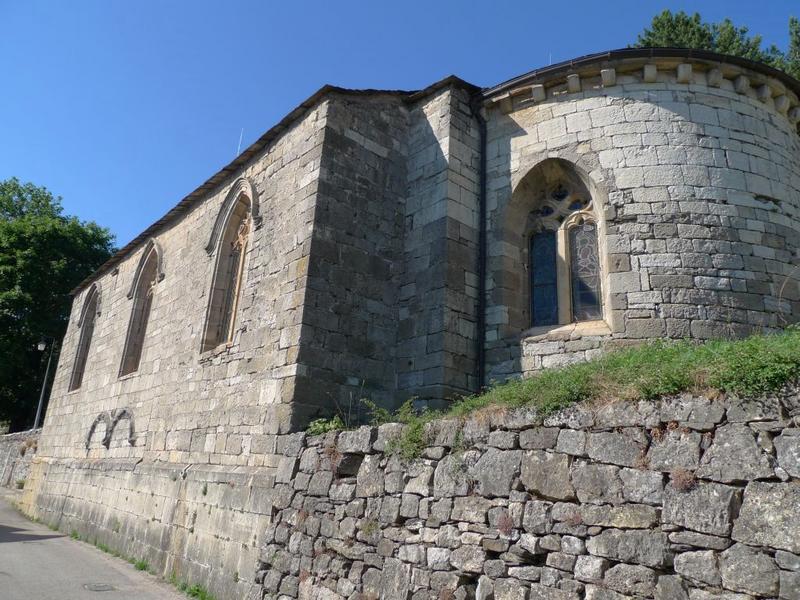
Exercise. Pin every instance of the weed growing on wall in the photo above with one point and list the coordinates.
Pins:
(748, 367)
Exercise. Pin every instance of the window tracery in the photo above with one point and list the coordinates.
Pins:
(565, 276)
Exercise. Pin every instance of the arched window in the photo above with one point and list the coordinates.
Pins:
(86, 324)
(564, 258)
(147, 275)
(229, 271)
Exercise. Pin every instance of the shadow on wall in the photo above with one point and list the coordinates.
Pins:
(372, 330)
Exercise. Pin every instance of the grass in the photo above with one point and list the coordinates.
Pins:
(749, 367)
(193, 591)
(141, 565)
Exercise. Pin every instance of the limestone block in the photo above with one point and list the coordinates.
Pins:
(787, 446)
(684, 73)
(634, 546)
(631, 579)
(675, 450)
(769, 516)
(706, 507)
(735, 456)
(546, 474)
(615, 448)
(644, 487)
(495, 471)
(608, 77)
(369, 481)
(699, 567)
(714, 77)
(542, 592)
(590, 568)
(747, 570)
(536, 517)
(741, 84)
(574, 82)
(650, 73)
(538, 93)
(597, 484)
(539, 438)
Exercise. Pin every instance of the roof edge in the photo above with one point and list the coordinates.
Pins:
(557, 69)
(249, 153)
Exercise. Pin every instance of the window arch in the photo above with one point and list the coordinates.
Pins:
(564, 257)
(232, 241)
(145, 280)
(89, 312)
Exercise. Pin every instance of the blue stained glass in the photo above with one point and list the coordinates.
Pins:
(585, 271)
(544, 288)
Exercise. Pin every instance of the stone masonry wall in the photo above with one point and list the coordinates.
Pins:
(695, 173)
(684, 498)
(16, 454)
(187, 405)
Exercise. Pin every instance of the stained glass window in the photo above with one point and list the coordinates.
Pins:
(584, 272)
(544, 285)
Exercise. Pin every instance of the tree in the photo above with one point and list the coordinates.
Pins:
(44, 254)
(680, 30)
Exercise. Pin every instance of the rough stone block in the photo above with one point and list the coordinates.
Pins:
(546, 474)
(646, 548)
(770, 516)
(706, 508)
(747, 570)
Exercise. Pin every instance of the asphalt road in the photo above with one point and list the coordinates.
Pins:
(39, 564)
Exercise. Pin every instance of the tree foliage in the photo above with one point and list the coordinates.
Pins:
(680, 30)
(44, 254)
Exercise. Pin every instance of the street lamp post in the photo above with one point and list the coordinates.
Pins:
(41, 346)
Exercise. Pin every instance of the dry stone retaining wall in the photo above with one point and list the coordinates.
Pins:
(16, 453)
(685, 498)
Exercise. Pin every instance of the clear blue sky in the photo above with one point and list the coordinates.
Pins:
(123, 108)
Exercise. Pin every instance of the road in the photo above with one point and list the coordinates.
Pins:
(39, 564)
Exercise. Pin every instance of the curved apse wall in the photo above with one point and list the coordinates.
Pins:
(694, 171)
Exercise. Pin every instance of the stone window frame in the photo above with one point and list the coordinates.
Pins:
(571, 219)
(233, 228)
(86, 324)
(149, 272)
(509, 262)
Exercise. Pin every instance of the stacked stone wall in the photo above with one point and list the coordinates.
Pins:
(684, 498)
(17, 451)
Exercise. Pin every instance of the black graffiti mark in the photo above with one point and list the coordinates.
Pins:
(111, 419)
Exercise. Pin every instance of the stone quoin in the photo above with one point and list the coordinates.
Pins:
(388, 245)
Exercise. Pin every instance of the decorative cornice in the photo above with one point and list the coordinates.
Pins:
(651, 66)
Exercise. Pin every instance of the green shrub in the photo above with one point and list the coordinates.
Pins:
(320, 426)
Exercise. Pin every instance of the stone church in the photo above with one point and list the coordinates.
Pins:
(387, 245)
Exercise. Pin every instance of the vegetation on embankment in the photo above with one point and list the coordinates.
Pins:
(747, 367)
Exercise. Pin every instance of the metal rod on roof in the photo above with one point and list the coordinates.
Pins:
(239, 147)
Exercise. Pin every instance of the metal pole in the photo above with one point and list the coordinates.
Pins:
(44, 386)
